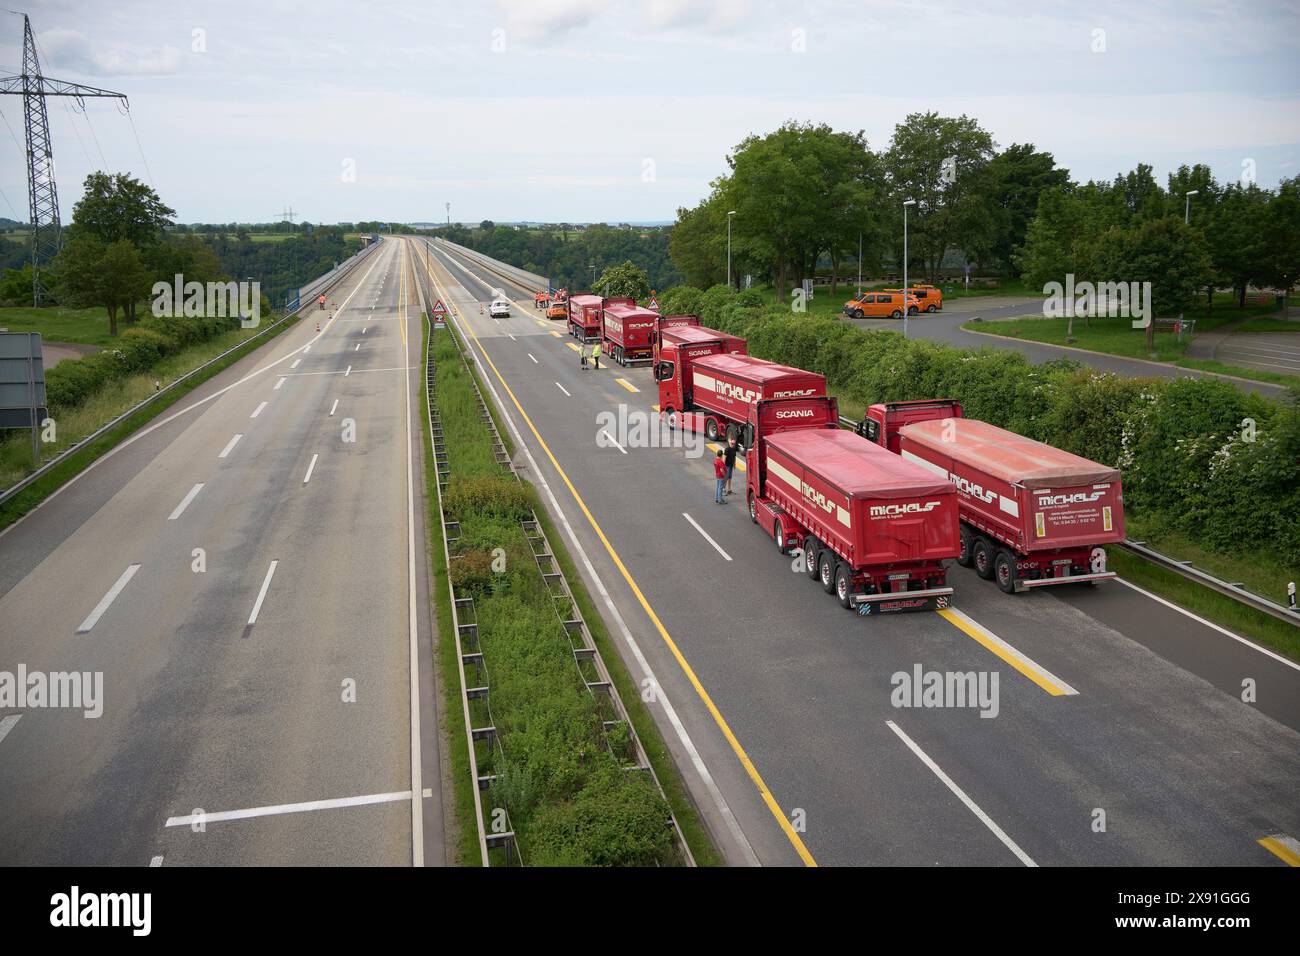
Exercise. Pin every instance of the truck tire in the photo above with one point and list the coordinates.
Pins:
(733, 432)
(753, 508)
(964, 557)
(810, 556)
(779, 537)
(826, 572)
(1004, 571)
(982, 554)
(670, 418)
(843, 586)
(711, 429)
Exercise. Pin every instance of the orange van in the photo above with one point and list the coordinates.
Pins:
(881, 305)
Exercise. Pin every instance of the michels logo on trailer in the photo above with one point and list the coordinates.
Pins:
(969, 487)
(795, 393)
(747, 395)
(817, 498)
(1078, 498)
(896, 511)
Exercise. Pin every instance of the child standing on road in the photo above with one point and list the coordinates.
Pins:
(730, 459)
(720, 475)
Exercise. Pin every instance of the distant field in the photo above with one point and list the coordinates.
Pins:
(85, 326)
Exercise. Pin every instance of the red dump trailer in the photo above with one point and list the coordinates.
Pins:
(713, 393)
(584, 316)
(628, 331)
(671, 322)
(1031, 514)
(874, 528)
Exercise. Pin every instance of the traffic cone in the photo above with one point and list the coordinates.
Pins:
(318, 325)
(480, 308)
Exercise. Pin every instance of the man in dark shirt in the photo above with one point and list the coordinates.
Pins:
(730, 459)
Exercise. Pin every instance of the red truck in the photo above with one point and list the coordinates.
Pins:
(1031, 514)
(628, 331)
(671, 322)
(875, 528)
(713, 393)
(584, 316)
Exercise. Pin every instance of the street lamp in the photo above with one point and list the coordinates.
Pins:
(1187, 206)
(906, 203)
(729, 215)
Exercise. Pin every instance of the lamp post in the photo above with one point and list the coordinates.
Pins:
(729, 215)
(906, 203)
(859, 290)
(1187, 220)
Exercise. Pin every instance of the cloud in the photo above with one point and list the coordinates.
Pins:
(72, 50)
(543, 20)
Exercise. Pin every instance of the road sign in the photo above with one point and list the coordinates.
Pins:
(439, 308)
(22, 383)
(654, 304)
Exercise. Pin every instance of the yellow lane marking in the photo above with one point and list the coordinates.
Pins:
(555, 333)
(655, 406)
(982, 635)
(736, 747)
(627, 385)
(1285, 848)
(573, 346)
(538, 321)
(714, 446)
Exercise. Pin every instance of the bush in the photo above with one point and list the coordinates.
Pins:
(500, 496)
(617, 819)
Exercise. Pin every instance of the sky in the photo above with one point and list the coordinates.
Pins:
(622, 110)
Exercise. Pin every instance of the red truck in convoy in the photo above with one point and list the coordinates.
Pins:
(1031, 514)
(628, 331)
(671, 322)
(875, 528)
(713, 393)
(584, 316)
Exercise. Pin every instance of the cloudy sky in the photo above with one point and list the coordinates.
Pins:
(586, 110)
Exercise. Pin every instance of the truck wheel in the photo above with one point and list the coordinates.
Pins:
(842, 589)
(779, 537)
(1004, 567)
(810, 556)
(670, 418)
(711, 429)
(983, 555)
(753, 508)
(826, 572)
(967, 542)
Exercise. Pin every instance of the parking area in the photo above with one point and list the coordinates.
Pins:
(1268, 351)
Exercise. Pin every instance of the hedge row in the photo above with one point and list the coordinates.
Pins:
(1198, 456)
(137, 349)
(562, 777)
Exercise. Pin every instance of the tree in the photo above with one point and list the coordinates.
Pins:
(1281, 238)
(698, 242)
(1013, 181)
(1234, 231)
(16, 286)
(116, 206)
(627, 281)
(90, 272)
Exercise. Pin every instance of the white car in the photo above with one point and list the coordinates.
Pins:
(500, 309)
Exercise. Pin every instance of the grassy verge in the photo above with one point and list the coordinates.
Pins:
(111, 401)
(558, 771)
(1269, 324)
(57, 324)
(1254, 374)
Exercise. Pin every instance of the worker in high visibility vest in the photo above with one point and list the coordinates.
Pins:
(321, 300)
(595, 355)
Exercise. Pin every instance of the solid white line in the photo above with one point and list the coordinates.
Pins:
(156, 861)
(1210, 624)
(333, 407)
(534, 358)
(7, 724)
(563, 389)
(412, 620)
(278, 384)
(261, 595)
(305, 807)
(296, 363)
(185, 502)
(971, 805)
(696, 525)
(614, 443)
(348, 372)
(230, 445)
(108, 599)
(258, 410)
(310, 468)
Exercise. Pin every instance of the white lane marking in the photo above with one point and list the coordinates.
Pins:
(310, 468)
(156, 861)
(563, 389)
(611, 440)
(707, 537)
(278, 384)
(512, 338)
(306, 349)
(1210, 624)
(333, 407)
(185, 502)
(971, 805)
(258, 410)
(1007, 649)
(107, 599)
(683, 737)
(222, 816)
(363, 329)
(534, 358)
(358, 348)
(348, 372)
(296, 363)
(395, 368)
(261, 595)
(230, 445)
(7, 724)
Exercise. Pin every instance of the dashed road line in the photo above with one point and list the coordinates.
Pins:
(310, 468)
(261, 595)
(185, 502)
(230, 445)
(707, 537)
(107, 600)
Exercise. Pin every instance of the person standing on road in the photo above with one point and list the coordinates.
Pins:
(720, 476)
(595, 355)
(730, 459)
(582, 355)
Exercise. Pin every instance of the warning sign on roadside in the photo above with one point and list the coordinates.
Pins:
(654, 304)
(439, 308)
(439, 315)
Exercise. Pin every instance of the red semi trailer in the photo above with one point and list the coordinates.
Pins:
(875, 529)
(628, 331)
(665, 322)
(1031, 514)
(713, 393)
(584, 316)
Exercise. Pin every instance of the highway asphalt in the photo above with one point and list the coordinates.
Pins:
(1120, 737)
(258, 660)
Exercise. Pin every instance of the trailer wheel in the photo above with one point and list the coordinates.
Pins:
(842, 589)
(826, 572)
(779, 537)
(1004, 566)
(753, 508)
(670, 418)
(967, 543)
(983, 555)
(711, 429)
(810, 556)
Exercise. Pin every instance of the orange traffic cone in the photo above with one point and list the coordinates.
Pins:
(480, 308)
(318, 326)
